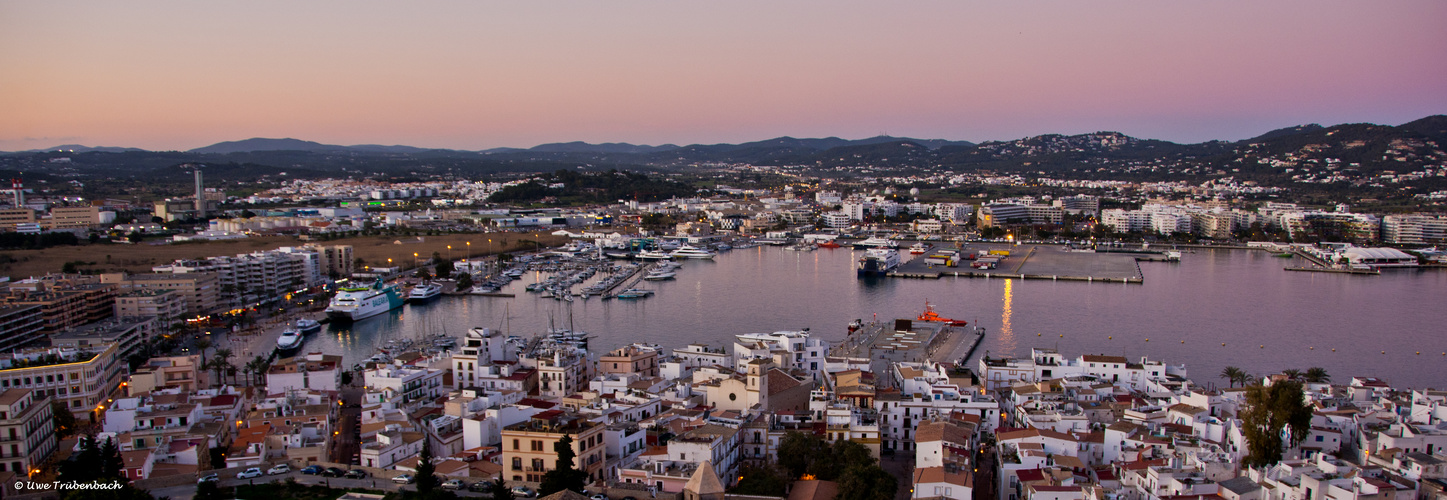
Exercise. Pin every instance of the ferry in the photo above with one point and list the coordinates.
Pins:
(918, 248)
(690, 252)
(308, 326)
(876, 243)
(878, 262)
(424, 292)
(288, 344)
(357, 303)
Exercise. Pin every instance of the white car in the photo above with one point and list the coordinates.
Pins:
(403, 479)
(278, 469)
(249, 473)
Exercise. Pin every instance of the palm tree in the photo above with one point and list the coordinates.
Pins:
(221, 363)
(1248, 379)
(1232, 374)
(1317, 375)
(1291, 373)
(202, 345)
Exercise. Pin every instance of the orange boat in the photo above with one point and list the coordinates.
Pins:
(929, 314)
(829, 244)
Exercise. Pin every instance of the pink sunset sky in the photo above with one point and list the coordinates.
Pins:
(480, 74)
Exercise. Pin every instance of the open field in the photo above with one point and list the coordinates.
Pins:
(374, 250)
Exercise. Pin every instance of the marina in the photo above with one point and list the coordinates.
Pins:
(1198, 300)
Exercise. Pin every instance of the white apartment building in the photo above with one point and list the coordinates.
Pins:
(315, 371)
(788, 350)
(481, 347)
(27, 431)
(406, 384)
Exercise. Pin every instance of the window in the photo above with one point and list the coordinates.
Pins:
(515, 445)
(517, 464)
(537, 445)
(537, 464)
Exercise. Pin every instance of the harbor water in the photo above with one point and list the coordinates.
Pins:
(1215, 308)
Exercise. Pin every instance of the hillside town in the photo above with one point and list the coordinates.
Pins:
(649, 421)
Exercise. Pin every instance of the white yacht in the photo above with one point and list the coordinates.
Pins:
(424, 292)
(663, 272)
(877, 243)
(691, 252)
(308, 326)
(652, 255)
(288, 343)
(357, 303)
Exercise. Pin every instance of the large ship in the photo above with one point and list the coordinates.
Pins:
(352, 304)
(878, 261)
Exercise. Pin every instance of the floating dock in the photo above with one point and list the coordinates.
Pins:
(1334, 270)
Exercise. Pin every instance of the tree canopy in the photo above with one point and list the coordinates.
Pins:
(808, 456)
(563, 476)
(1276, 417)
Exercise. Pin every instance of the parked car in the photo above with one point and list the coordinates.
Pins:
(480, 486)
(523, 491)
(453, 484)
(333, 472)
(357, 474)
(278, 469)
(249, 473)
(312, 470)
(598, 496)
(209, 478)
(404, 479)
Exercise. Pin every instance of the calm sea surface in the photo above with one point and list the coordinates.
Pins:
(1268, 319)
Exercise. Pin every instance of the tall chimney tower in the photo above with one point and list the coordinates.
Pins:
(19, 187)
(200, 196)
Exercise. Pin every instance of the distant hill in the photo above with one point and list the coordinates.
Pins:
(263, 144)
(77, 148)
(377, 148)
(1283, 132)
(609, 147)
(1433, 127)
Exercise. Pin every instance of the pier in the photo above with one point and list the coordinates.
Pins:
(1040, 263)
(1337, 270)
(628, 282)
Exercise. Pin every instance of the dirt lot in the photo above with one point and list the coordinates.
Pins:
(374, 250)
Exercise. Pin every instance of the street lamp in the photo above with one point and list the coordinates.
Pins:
(469, 251)
(449, 253)
(416, 261)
